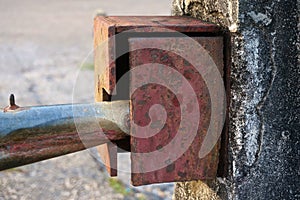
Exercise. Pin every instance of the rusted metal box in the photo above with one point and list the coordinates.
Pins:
(170, 68)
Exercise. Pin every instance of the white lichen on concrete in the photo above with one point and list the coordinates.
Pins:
(254, 94)
(260, 18)
(254, 89)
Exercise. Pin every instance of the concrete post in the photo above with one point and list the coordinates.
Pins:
(264, 146)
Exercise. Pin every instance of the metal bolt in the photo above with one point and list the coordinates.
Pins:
(12, 104)
(12, 100)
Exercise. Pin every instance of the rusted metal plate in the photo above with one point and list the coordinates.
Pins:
(104, 59)
(223, 157)
(188, 165)
(149, 23)
(106, 27)
(108, 153)
(110, 65)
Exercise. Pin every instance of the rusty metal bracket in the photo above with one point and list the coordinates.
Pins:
(123, 35)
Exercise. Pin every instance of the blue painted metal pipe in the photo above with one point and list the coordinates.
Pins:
(31, 134)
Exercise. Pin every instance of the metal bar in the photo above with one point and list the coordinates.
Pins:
(31, 134)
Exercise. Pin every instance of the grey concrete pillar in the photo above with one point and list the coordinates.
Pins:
(264, 146)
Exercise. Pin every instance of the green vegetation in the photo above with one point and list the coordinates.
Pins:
(118, 186)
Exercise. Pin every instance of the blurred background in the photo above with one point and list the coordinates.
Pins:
(46, 56)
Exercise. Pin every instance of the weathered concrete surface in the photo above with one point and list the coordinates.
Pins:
(222, 12)
(264, 111)
(265, 102)
(196, 190)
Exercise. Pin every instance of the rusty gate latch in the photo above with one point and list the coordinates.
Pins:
(173, 71)
(160, 89)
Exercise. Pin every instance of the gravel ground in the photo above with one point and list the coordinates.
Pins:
(43, 45)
